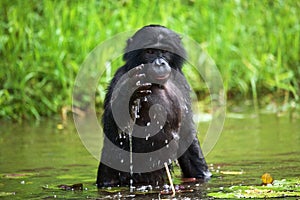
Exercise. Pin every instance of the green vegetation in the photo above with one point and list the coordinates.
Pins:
(255, 44)
(283, 188)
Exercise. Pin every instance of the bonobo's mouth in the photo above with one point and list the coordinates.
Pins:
(162, 77)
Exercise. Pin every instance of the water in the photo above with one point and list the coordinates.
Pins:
(136, 116)
(36, 158)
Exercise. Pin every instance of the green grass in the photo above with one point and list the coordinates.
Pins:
(255, 44)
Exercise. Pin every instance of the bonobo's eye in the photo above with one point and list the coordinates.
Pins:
(150, 51)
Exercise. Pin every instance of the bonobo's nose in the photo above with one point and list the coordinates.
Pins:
(160, 62)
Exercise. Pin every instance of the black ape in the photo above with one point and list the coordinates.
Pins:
(148, 118)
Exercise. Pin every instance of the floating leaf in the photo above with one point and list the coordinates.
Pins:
(232, 172)
(283, 188)
(74, 187)
(17, 175)
(3, 194)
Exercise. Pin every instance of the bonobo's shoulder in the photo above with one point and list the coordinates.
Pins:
(118, 74)
(122, 70)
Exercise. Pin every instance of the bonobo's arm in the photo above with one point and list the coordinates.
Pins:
(131, 86)
(192, 162)
(114, 119)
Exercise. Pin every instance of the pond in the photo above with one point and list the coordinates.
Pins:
(36, 158)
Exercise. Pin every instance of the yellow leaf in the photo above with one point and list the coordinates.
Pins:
(267, 179)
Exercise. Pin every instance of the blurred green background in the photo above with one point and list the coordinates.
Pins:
(254, 43)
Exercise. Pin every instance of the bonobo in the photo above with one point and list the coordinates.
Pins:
(147, 116)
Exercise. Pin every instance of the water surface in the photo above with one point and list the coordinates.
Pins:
(36, 158)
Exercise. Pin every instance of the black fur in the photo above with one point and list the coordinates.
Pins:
(166, 43)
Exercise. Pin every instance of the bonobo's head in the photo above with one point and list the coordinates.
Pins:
(158, 48)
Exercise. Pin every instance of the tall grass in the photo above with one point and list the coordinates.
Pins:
(42, 43)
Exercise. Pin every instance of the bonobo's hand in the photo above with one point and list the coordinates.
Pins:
(139, 82)
(132, 85)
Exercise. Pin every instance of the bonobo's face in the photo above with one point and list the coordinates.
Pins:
(157, 64)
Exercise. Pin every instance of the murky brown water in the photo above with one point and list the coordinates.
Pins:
(35, 158)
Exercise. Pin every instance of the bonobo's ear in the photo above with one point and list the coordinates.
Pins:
(127, 53)
(129, 41)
